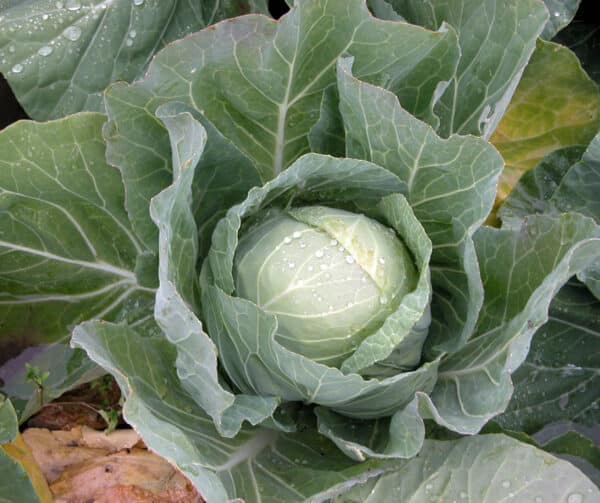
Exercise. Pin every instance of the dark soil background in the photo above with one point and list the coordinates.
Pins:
(11, 111)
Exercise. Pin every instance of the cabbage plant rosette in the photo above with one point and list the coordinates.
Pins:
(317, 290)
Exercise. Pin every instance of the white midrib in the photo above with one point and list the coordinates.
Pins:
(96, 265)
(249, 450)
(280, 137)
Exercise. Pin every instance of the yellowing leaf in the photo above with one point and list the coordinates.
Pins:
(555, 105)
(18, 450)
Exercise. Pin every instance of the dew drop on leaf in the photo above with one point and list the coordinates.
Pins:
(72, 33)
(45, 51)
(575, 498)
(73, 5)
(138, 2)
(18, 68)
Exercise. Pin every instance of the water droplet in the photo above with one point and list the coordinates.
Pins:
(341, 248)
(59, 5)
(428, 487)
(319, 254)
(18, 68)
(72, 33)
(44, 17)
(556, 14)
(128, 42)
(45, 51)
(506, 484)
(138, 2)
(291, 265)
(575, 498)
(381, 260)
(73, 5)
(302, 245)
(323, 267)
(287, 240)
(132, 33)
(333, 242)
(11, 48)
(563, 401)
(538, 499)
(383, 299)
(320, 299)
(349, 304)
(349, 259)
(310, 268)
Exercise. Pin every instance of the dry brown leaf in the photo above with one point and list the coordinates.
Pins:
(99, 477)
(55, 450)
(114, 441)
(84, 464)
(130, 494)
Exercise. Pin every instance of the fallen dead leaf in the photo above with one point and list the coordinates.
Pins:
(84, 465)
(135, 472)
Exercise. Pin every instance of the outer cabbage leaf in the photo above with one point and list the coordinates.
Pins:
(561, 14)
(558, 184)
(81, 46)
(177, 303)
(496, 40)
(560, 110)
(258, 465)
(486, 469)
(522, 268)
(563, 440)
(560, 377)
(261, 82)
(450, 185)
(68, 250)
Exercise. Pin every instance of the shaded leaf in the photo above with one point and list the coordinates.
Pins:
(560, 377)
